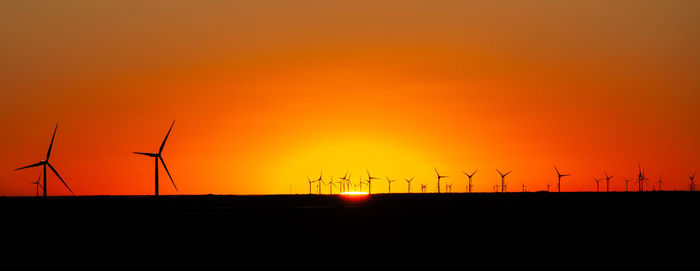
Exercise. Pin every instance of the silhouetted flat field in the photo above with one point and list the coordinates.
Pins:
(405, 221)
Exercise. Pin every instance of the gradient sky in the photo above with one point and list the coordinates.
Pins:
(266, 93)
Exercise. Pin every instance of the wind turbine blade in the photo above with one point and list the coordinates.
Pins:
(166, 170)
(507, 173)
(499, 172)
(475, 172)
(48, 153)
(166, 138)
(59, 176)
(557, 170)
(33, 165)
(146, 154)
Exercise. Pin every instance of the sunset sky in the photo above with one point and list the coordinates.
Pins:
(266, 93)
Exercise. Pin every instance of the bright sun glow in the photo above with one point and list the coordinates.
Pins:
(354, 193)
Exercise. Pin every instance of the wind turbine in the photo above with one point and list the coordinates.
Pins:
(409, 183)
(343, 180)
(597, 181)
(641, 179)
(340, 186)
(607, 181)
(320, 181)
(503, 180)
(331, 184)
(38, 184)
(692, 181)
(159, 156)
(659, 182)
(423, 188)
(524, 187)
(347, 181)
(310, 182)
(626, 182)
(559, 175)
(438, 179)
(369, 182)
(389, 181)
(45, 163)
(469, 187)
(548, 185)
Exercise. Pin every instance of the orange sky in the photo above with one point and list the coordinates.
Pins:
(267, 93)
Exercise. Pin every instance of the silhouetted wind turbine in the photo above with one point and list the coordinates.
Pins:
(559, 175)
(340, 184)
(503, 179)
(597, 181)
(369, 182)
(692, 181)
(626, 182)
(548, 185)
(38, 184)
(438, 179)
(524, 187)
(409, 183)
(159, 156)
(641, 179)
(343, 180)
(607, 181)
(389, 181)
(331, 184)
(659, 182)
(423, 188)
(45, 163)
(469, 186)
(310, 182)
(320, 181)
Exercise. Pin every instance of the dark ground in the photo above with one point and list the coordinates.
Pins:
(499, 223)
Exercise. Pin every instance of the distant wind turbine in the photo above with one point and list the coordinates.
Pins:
(409, 183)
(559, 175)
(45, 163)
(692, 181)
(159, 156)
(597, 181)
(438, 179)
(503, 179)
(331, 184)
(37, 184)
(343, 180)
(659, 182)
(320, 181)
(310, 182)
(469, 186)
(548, 186)
(641, 178)
(369, 182)
(524, 186)
(607, 181)
(389, 181)
(626, 183)
(423, 188)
